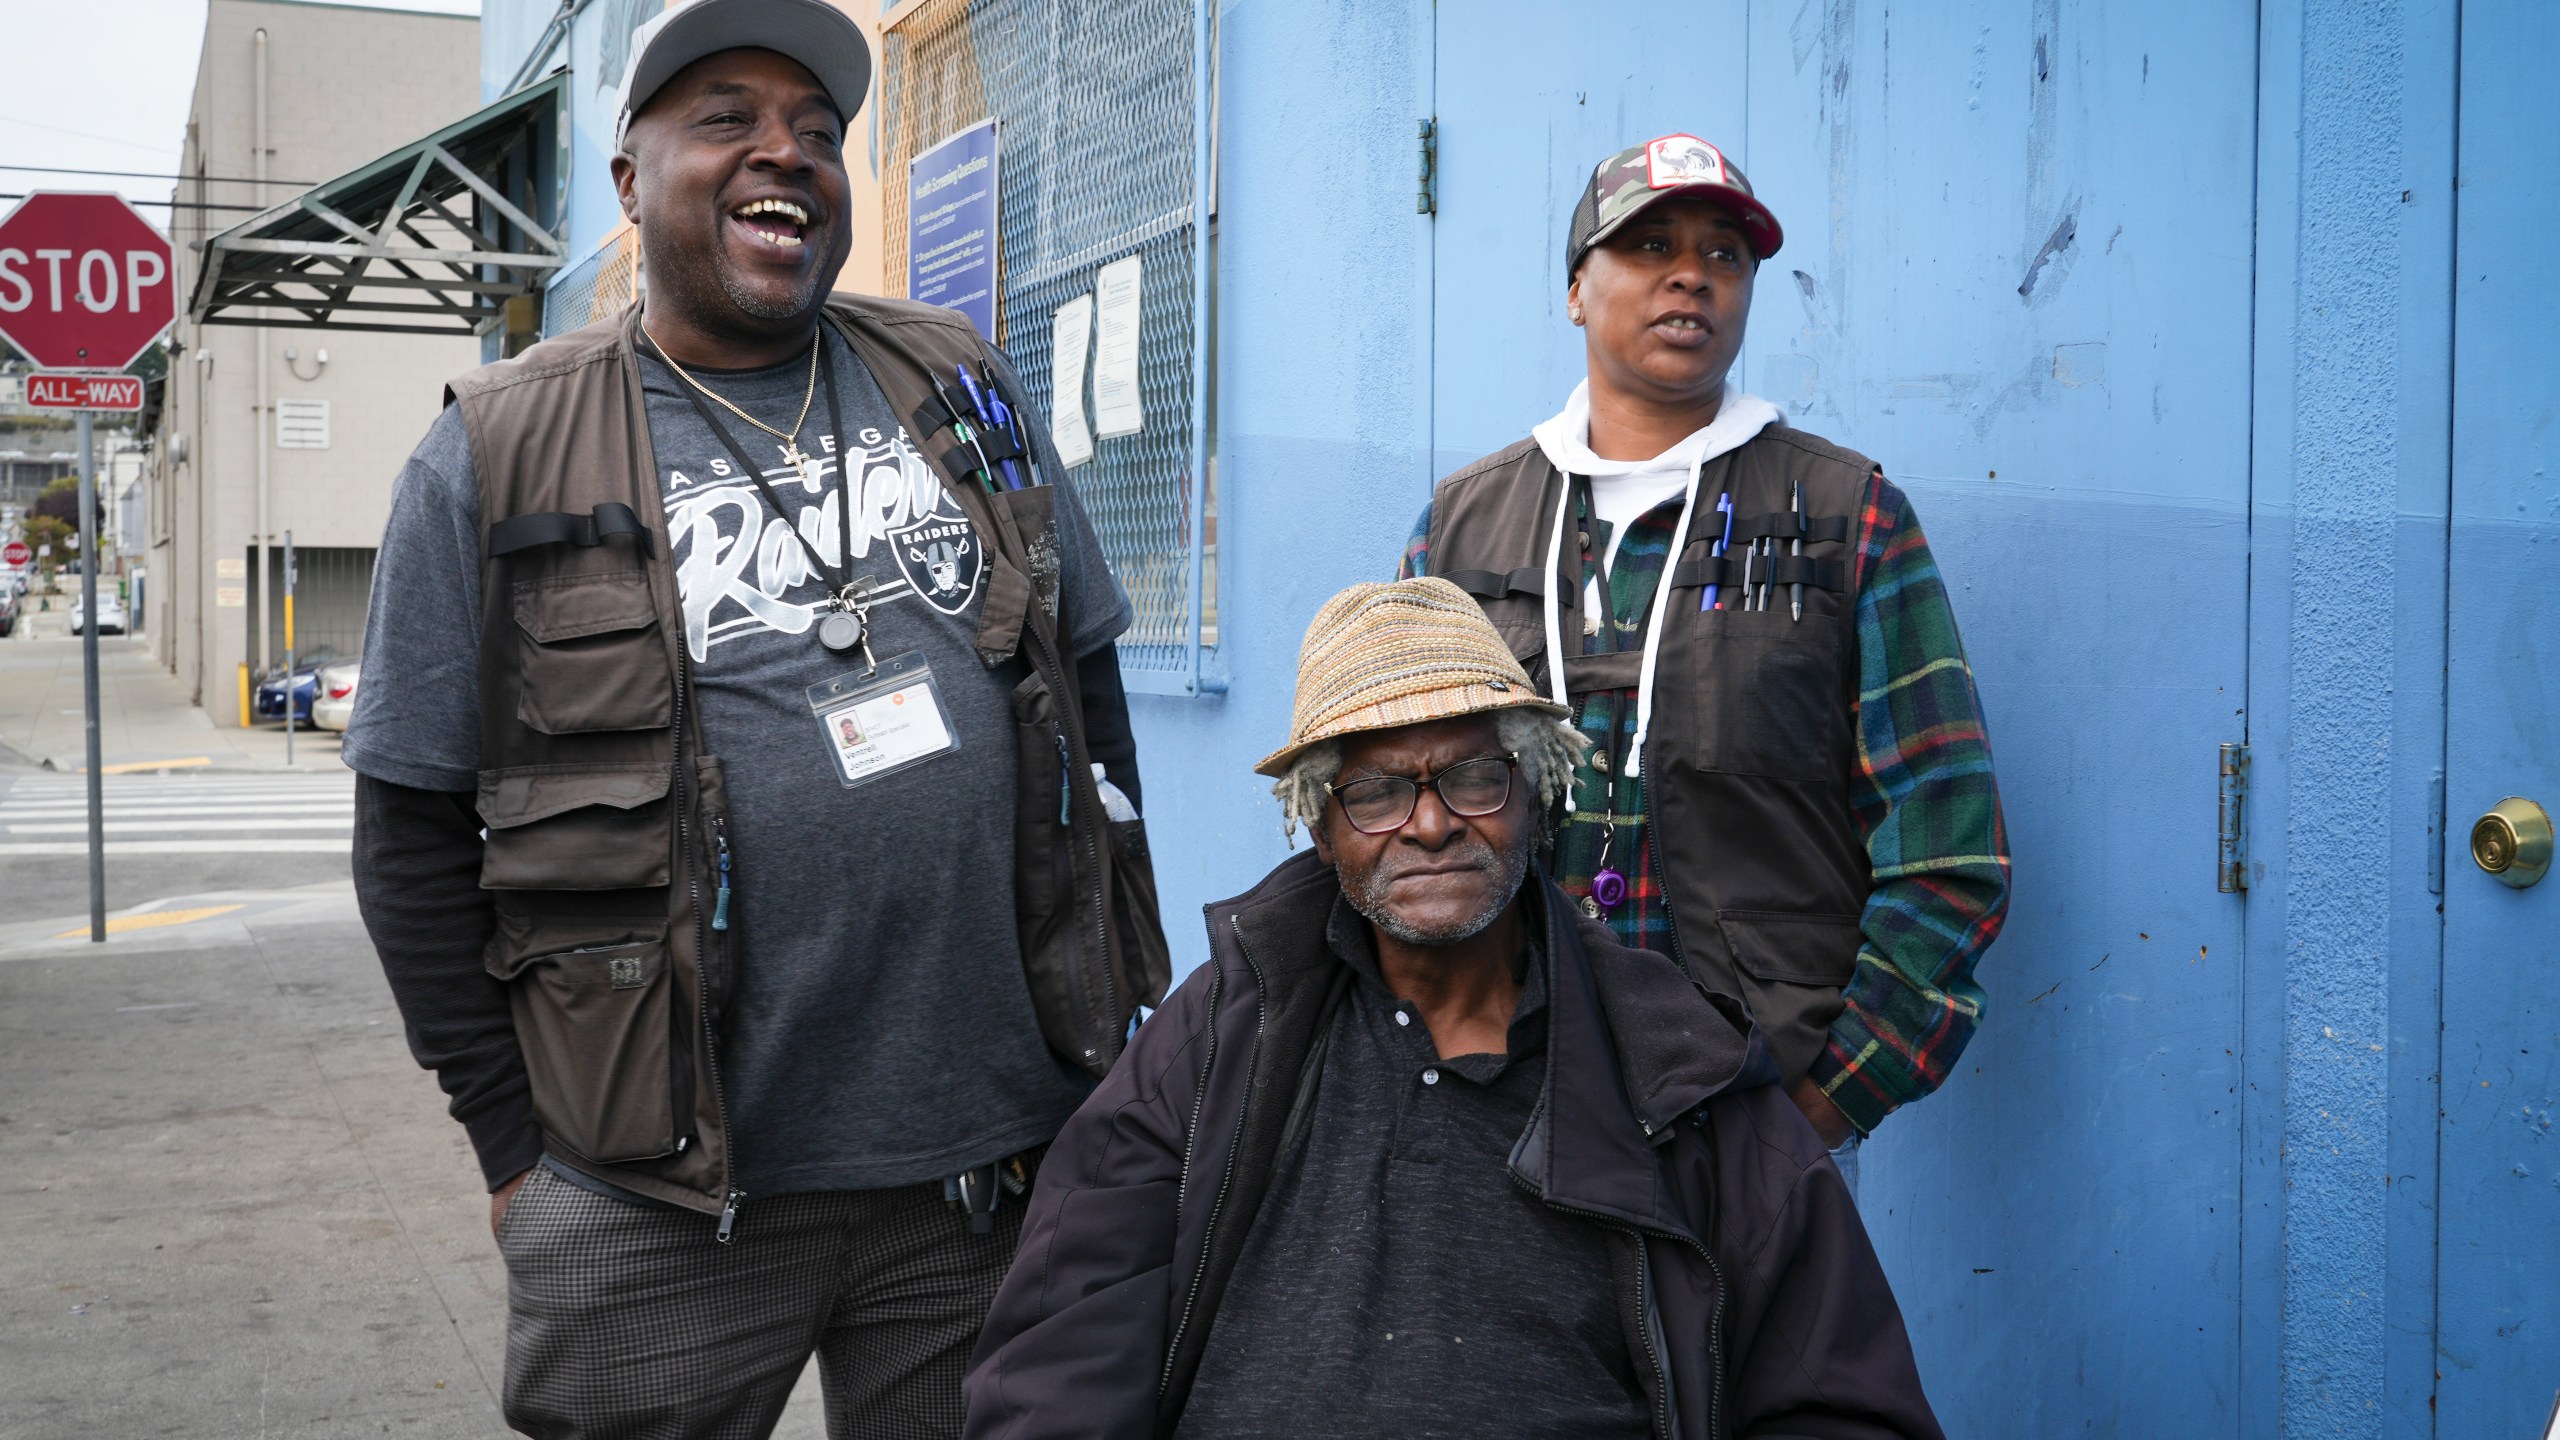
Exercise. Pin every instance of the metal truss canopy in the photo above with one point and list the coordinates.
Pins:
(431, 239)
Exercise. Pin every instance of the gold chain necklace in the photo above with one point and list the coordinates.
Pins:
(792, 454)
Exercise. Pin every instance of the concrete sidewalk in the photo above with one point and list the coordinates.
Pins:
(230, 1204)
(146, 718)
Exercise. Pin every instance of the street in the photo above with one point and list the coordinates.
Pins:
(234, 1205)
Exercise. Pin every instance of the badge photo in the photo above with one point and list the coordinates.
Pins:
(880, 721)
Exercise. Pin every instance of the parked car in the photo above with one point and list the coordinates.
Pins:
(267, 702)
(110, 615)
(336, 702)
(8, 610)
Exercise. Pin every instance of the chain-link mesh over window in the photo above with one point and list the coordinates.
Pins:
(1095, 104)
(595, 287)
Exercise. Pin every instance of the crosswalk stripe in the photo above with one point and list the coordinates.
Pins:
(183, 787)
(183, 847)
(82, 828)
(160, 810)
(247, 815)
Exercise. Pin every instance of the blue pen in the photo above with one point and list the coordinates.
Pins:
(968, 382)
(1724, 503)
(1004, 422)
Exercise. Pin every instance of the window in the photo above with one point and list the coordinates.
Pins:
(1101, 120)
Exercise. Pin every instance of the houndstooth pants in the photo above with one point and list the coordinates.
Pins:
(628, 1322)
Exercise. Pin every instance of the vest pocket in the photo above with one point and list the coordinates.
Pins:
(1791, 968)
(1785, 945)
(577, 827)
(1764, 701)
(590, 656)
(595, 1020)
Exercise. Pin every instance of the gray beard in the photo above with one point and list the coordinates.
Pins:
(1370, 897)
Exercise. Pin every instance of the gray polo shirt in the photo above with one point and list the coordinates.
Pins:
(1398, 1280)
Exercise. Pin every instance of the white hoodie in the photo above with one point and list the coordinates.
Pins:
(1621, 492)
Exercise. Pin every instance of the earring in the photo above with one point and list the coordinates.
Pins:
(1574, 313)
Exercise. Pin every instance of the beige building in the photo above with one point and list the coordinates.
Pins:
(274, 429)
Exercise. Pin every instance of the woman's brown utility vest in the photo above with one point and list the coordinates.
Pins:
(606, 819)
(1748, 764)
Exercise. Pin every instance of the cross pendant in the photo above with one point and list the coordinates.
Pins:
(801, 461)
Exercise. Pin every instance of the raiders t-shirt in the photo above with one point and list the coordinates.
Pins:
(880, 1033)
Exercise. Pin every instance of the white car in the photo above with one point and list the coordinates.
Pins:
(335, 701)
(110, 615)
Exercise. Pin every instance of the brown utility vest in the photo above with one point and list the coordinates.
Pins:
(1748, 765)
(606, 819)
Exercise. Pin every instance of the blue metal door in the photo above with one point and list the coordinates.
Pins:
(1983, 288)
(2498, 1216)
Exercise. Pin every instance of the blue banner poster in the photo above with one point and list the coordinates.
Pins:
(951, 226)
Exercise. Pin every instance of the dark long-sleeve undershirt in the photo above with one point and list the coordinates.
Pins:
(417, 874)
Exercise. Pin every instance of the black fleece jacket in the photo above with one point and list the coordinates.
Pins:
(417, 876)
(1746, 1285)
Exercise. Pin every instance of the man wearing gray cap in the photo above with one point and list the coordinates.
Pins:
(709, 676)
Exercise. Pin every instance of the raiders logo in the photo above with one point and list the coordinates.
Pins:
(940, 556)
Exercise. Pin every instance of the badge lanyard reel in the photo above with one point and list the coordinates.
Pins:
(889, 714)
(1608, 884)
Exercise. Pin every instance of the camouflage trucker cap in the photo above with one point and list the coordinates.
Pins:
(1625, 183)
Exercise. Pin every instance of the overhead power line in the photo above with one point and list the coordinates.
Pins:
(170, 204)
(156, 175)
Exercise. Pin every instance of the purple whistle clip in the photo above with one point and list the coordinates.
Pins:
(1724, 503)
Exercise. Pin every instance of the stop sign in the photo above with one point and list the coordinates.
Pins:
(85, 282)
(16, 553)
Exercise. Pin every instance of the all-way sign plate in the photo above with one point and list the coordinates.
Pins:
(49, 390)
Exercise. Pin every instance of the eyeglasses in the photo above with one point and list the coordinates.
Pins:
(1381, 804)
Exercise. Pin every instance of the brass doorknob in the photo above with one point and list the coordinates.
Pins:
(2513, 842)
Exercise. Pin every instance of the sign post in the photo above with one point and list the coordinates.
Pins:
(288, 652)
(85, 286)
(89, 678)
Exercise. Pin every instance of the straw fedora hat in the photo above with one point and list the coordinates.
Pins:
(1383, 655)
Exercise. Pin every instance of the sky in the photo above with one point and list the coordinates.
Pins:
(104, 85)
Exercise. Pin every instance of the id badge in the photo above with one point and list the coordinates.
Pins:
(877, 722)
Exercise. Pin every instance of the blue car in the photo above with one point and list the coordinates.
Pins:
(268, 700)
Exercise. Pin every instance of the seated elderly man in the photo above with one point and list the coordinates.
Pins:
(1419, 1151)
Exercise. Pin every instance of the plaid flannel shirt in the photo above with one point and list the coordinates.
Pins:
(1927, 806)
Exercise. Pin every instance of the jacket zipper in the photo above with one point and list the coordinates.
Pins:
(1664, 1423)
(1653, 849)
(702, 958)
(1209, 1232)
(720, 902)
(1715, 1321)
(1106, 1036)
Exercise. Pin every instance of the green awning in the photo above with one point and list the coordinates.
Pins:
(431, 239)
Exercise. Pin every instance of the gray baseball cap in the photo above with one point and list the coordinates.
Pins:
(812, 32)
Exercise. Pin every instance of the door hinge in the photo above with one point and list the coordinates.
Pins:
(2231, 857)
(2435, 832)
(1426, 200)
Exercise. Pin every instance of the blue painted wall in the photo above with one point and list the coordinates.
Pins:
(2149, 306)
